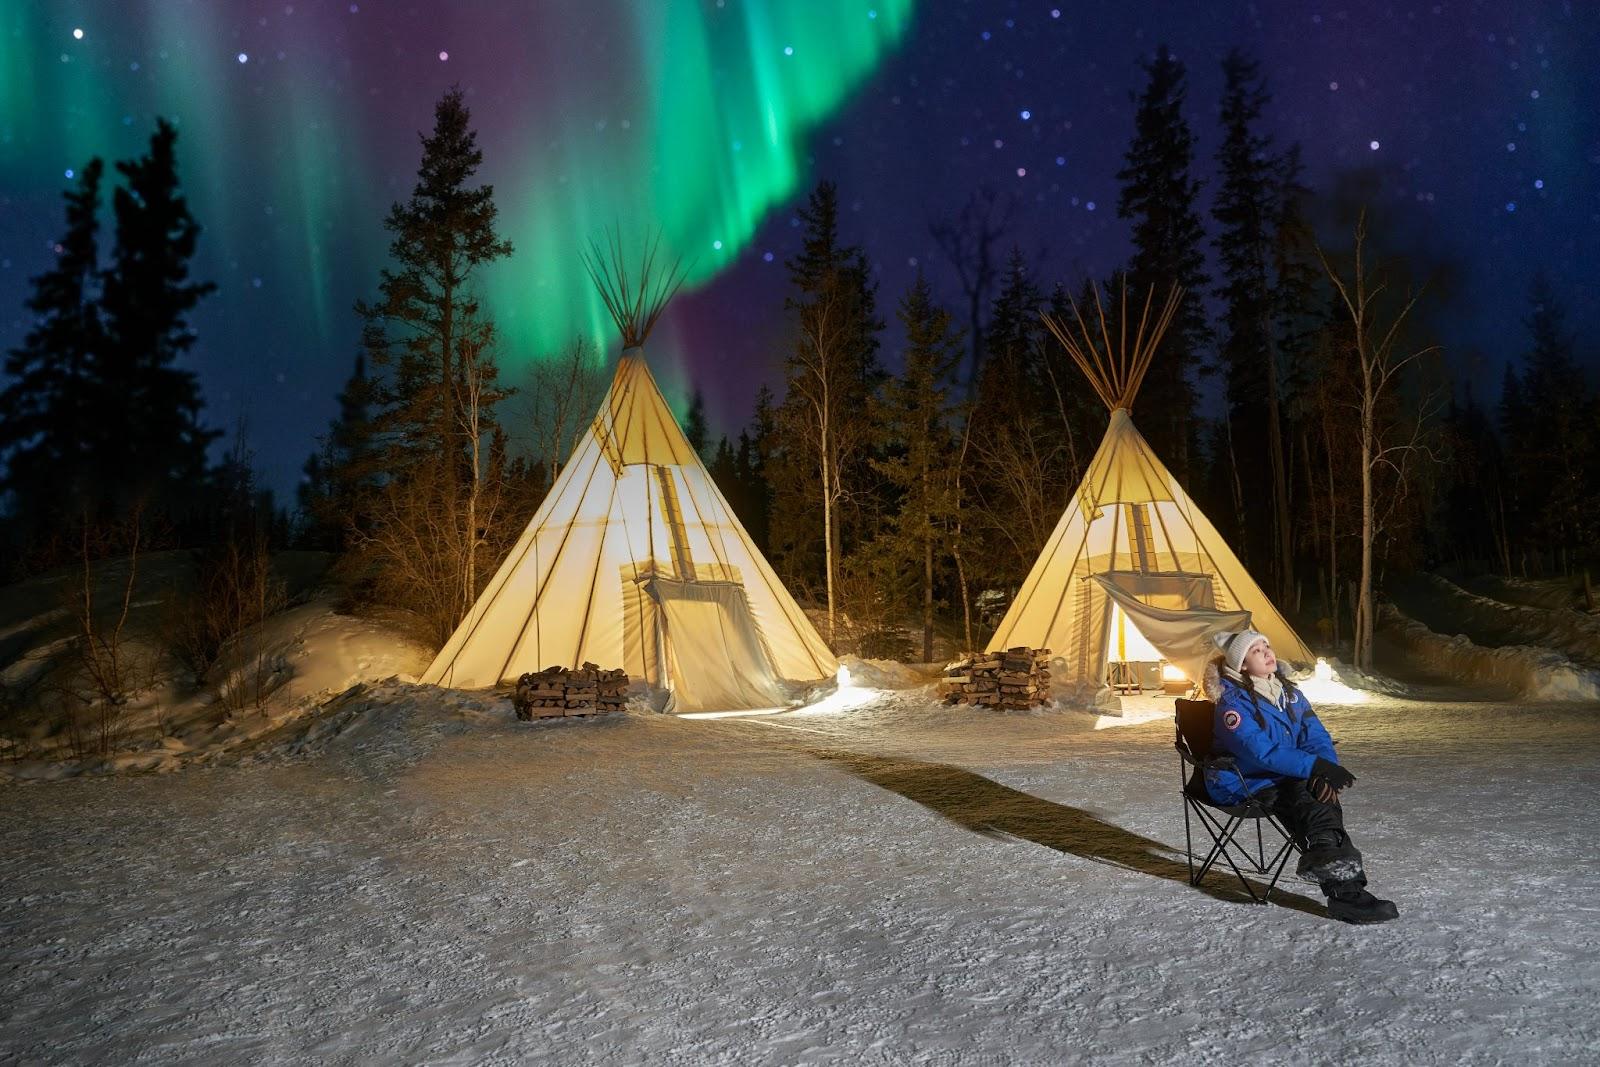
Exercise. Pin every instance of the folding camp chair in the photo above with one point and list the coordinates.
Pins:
(1222, 822)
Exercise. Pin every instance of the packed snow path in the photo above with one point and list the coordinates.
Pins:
(891, 883)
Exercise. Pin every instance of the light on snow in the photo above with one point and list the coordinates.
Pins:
(244, 57)
(848, 695)
(1372, 145)
(77, 35)
(1325, 687)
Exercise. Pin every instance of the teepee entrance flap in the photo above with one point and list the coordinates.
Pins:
(1182, 591)
(1181, 635)
(716, 660)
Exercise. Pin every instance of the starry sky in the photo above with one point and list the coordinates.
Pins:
(1470, 125)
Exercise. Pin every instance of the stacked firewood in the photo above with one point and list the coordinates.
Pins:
(1016, 678)
(557, 691)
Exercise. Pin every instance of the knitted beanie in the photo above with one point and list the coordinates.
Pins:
(1234, 646)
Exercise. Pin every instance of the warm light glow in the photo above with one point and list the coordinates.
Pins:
(1170, 673)
(731, 714)
(845, 697)
(1136, 711)
(1325, 687)
(1125, 643)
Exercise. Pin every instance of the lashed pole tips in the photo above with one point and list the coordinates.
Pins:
(1116, 374)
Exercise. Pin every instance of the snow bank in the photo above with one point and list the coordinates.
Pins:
(271, 676)
(1560, 628)
(1555, 594)
(1531, 673)
(890, 674)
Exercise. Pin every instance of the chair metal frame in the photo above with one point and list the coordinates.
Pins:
(1193, 762)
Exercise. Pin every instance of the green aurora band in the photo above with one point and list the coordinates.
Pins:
(682, 119)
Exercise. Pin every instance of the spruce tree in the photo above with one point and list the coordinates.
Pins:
(1159, 196)
(149, 443)
(724, 470)
(340, 471)
(1469, 527)
(443, 510)
(1555, 447)
(1516, 424)
(1020, 460)
(917, 421)
(428, 317)
(1013, 345)
(822, 464)
(694, 424)
(756, 447)
(1245, 212)
(45, 432)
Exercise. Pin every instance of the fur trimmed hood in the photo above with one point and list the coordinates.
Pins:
(1211, 680)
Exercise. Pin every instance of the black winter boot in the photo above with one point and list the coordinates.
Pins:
(1336, 862)
(1351, 903)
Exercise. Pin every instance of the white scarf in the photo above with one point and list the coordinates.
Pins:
(1269, 687)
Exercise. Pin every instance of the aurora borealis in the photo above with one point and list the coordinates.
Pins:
(710, 119)
(298, 122)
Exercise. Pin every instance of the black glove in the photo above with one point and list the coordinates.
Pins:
(1331, 774)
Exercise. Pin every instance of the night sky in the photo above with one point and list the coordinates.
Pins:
(711, 120)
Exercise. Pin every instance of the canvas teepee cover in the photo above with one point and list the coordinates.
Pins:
(636, 560)
(1132, 560)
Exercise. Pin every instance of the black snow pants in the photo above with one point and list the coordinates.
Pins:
(1313, 824)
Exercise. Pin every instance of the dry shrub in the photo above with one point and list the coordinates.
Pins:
(235, 588)
(106, 669)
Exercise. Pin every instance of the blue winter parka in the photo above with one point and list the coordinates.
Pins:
(1270, 742)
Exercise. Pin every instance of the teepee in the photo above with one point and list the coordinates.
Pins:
(1133, 572)
(635, 560)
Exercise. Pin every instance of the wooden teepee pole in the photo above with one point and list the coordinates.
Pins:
(634, 303)
(1115, 371)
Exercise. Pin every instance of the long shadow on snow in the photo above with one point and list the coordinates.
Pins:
(984, 806)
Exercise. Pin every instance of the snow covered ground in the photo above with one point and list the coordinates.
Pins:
(417, 877)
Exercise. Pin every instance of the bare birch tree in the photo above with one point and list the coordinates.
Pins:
(1381, 362)
(822, 362)
(562, 393)
(476, 373)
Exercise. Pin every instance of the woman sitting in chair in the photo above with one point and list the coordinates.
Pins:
(1286, 762)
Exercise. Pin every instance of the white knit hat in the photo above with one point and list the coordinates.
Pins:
(1233, 646)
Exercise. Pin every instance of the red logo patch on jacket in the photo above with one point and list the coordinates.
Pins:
(1230, 719)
